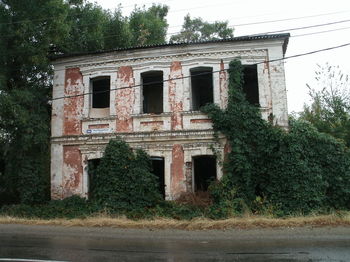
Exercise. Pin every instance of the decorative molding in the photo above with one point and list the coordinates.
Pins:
(163, 60)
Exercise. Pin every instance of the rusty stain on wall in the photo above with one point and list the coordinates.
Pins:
(195, 121)
(178, 180)
(125, 99)
(72, 171)
(73, 106)
(98, 126)
(175, 95)
(266, 66)
(151, 123)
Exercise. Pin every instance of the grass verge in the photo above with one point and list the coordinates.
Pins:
(246, 222)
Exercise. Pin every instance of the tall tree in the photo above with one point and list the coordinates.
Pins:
(198, 30)
(148, 26)
(29, 32)
(329, 110)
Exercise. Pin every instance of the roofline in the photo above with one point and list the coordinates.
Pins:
(284, 36)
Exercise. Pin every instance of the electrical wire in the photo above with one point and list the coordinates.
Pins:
(321, 32)
(276, 31)
(205, 73)
(308, 27)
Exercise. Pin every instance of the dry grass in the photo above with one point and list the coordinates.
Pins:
(196, 224)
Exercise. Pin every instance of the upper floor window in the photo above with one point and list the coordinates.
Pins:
(250, 85)
(152, 91)
(201, 86)
(100, 92)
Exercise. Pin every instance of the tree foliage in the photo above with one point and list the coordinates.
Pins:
(297, 171)
(329, 111)
(148, 27)
(123, 180)
(28, 29)
(198, 30)
(30, 32)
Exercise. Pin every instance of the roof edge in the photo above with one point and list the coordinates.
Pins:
(234, 39)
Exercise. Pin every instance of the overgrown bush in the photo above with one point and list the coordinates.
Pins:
(294, 172)
(123, 181)
(71, 207)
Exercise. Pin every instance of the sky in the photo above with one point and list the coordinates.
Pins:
(255, 16)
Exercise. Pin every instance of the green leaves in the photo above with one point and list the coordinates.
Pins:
(123, 181)
(148, 27)
(30, 32)
(329, 111)
(198, 30)
(294, 172)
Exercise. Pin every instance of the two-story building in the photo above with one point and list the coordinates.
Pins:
(150, 96)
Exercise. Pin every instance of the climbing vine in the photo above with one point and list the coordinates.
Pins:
(269, 168)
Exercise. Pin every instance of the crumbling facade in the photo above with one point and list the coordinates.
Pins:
(150, 97)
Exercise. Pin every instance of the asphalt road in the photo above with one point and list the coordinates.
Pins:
(35, 243)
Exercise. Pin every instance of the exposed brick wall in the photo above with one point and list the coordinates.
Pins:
(176, 95)
(72, 171)
(73, 106)
(125, 99)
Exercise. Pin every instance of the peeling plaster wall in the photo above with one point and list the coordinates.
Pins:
(73, 106)
(178, 180)
(72, 171)
(56, 171)
(57, 116)
(125, 99)
(178, 134)
(278, 88)
(176, 95)
(223, 85)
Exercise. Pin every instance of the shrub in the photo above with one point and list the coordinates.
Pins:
(71, 207)
(294, 172)
(123, 181)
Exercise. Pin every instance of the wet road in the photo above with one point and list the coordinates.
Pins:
(105, 244)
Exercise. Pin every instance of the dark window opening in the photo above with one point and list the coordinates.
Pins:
(201, 87)
(92, 167)
(158, 170)
(204, 172)
(100, 92)
(152, 90)
(250, 86)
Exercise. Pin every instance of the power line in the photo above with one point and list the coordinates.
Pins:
(276, 31)
(285, 19)
(293, 29)
(307, 27)
(200, 7)
(321, 32)
(301, 35)
(217, 71)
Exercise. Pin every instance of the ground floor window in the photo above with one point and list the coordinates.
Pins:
(204, 171)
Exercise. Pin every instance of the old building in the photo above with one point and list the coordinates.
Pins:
(150, 96)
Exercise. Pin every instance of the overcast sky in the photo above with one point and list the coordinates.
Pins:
(300, 13)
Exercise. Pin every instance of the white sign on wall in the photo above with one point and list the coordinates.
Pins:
(98, 130)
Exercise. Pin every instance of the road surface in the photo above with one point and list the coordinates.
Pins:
(47, 243)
